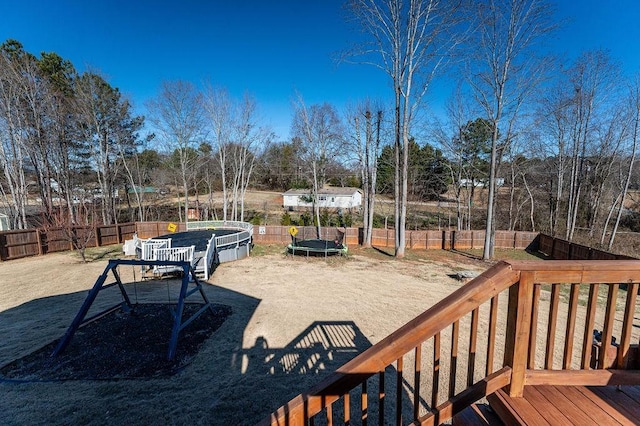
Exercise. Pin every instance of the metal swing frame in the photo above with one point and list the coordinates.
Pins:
(188, 277)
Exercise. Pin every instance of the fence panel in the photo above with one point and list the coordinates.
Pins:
(107, 235)
(561, 250)
(505, 239)
(524, 239)
(580, 252)
(17, 244)
(383, 238)
(545, 244)
(156, 229)
(126, 231)
(602, 255)
(462, 240)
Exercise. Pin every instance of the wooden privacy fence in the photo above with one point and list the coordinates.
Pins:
(564, 250)
(426, 240)
(33, 242)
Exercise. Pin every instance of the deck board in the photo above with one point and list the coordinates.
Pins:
(570, 405)
(538, 399)
(629, 407)
(606, 405)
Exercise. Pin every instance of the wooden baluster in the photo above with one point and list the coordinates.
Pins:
(364, 404)
(587, 343)
(551, 328)
(435, 386)
(571, 326)
(473, 343)
(491, 339)
(381, 398)
(455, 333)
(607, 332)
(627, 325)
(347, 409)
(416, 382)
(533, 332)
(399, 387)
(330, 414)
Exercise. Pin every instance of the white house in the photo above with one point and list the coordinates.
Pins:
(331, 197)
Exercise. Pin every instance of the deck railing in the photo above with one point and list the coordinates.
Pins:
(173, 254)
(148, 247)
(518, 323)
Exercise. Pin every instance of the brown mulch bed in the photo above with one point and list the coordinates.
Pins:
(121, 345)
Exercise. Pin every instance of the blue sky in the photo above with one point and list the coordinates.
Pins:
(270, 49)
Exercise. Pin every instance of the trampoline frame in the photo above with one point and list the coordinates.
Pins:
(295, 249)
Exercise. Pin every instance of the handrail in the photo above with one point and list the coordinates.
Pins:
(209, 256)
(379, 356)
(524, 281)
(224, 224)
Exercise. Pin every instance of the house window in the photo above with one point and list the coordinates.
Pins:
(322, 198)
(333, 199)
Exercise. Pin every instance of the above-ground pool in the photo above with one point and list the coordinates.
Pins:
(212, 242)
(199, 238)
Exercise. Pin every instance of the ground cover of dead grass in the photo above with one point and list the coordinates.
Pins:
(293, 321)
(277, 302)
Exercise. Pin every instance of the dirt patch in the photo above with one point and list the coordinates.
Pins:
(121, 345)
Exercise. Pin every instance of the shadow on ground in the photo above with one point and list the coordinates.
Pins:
(217, 380)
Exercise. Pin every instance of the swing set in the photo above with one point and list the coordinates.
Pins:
(188, 278)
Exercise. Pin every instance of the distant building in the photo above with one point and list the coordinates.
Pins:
(4, 222)
(331, 197)
(143, 190)
(479, 183)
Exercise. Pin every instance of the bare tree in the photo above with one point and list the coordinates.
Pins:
(593, 79)
(503, 72)
(368, 149)
(13, 147)
(108, 128)
(249, 138)
(177, 115)
(236, 136)
(634, 119)
(321, 132)
(76, 228)
(554, 124)
(410, 41)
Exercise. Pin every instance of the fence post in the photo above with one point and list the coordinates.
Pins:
(39, 240)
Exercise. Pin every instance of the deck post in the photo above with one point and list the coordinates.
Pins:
(518, 330)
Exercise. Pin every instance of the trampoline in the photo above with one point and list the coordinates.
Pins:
(317, 247)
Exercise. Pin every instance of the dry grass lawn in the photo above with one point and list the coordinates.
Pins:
(250, 366)
(294, 320)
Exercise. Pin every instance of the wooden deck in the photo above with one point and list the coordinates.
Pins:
(538, 362)
(569, 405)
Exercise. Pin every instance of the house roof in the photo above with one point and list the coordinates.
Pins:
(344, 191)
(143, 190)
